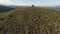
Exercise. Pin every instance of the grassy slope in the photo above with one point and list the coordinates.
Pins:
(5, 14)
(31, 20)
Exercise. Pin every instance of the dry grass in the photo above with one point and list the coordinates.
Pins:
(31, 21)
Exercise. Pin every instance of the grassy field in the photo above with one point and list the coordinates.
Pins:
(31, 20)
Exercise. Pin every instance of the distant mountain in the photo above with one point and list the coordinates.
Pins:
(4, 8)
(56, 8)
(13, 6)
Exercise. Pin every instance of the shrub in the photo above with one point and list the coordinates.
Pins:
(10, 15)
(2, 18)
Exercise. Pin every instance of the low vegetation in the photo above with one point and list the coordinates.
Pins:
(31, 21)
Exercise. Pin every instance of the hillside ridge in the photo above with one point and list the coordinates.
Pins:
(31, 21)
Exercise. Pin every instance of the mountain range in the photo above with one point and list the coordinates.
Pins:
(6, 8)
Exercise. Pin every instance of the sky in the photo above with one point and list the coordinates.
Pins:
(30, 2)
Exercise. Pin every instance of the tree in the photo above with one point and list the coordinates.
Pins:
(32, 5)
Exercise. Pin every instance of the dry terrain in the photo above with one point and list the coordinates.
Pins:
(31, 20)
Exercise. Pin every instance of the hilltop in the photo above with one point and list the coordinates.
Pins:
(31, 20)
